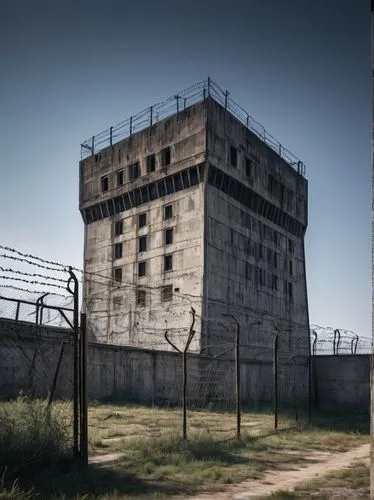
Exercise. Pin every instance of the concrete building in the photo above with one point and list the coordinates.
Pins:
(192, 204)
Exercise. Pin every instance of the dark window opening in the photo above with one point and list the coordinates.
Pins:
(120, 178)
(165, 157)
(118, 228)
(290, 265)
(275, 237)
(134, 171)
(168, 212)
(194, 177)
(104, 183)
(169, 185)
(166, 293)
(260, 251)
(248, 167)
(117, 301)
(168, 262)
(168, 236)
(260, 276)
(291, 246)
(151, 163)
(142, 268)
(142, 244)
(274, 282)
(118, 251)
(142, 220)
(161, 187)
(117, 274)
(104, 209)
(141, 298)
(233, 156)
(290, 290)
(275, 259)
(97, 158)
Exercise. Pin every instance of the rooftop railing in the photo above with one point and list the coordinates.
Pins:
(188, 97)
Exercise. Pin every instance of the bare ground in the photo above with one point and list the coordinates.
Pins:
(321, 464)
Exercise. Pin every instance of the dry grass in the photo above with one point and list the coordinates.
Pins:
(157, 463)
(349, 483)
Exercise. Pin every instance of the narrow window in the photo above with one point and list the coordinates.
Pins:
(142, 268)
(168, 212)
(248, 167)
(104, 183)
(117, 273)
(118, 251)
(274, 282)
(120, 178)
(166, 293)
(118, 228)
(165, 157)
(290, 266)
(142, 243)
(233, 156)
(275, 259)
(134, 171)
(142, 220)
(168, 236)
(260, 251)
(290, 290)
(140, 298)
(151, 163)
(290, 246)
(117, 302)
(275, 237)
(168, 262)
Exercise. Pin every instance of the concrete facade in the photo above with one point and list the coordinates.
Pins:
(238, 218)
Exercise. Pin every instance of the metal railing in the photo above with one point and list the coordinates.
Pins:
(188, 97)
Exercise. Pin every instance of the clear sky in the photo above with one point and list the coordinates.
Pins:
(73, 68)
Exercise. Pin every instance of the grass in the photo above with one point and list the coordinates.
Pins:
(156, 462)
(352, 482)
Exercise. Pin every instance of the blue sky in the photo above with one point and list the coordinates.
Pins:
(302, 69)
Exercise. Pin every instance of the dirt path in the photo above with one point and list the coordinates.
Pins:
(288, 479)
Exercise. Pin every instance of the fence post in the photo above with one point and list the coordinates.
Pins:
(76, 387)
(275, 376)
(93, 145)
(83, 391)
(151, 116)
(184, 361)
(237, 371)
(111, 136)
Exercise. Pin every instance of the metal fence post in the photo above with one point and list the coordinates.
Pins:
(83, 391)
(184, 361)
(237, 372)
(76, 388)
(275, 376)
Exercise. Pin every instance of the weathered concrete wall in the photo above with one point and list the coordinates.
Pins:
(341, 382)
(255, 268)
(28, 364)
(115, 316)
